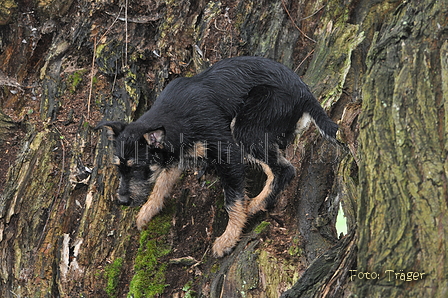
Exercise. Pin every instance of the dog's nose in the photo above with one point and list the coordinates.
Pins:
(123, 199)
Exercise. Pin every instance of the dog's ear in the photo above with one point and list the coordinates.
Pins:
(155, 138)
(113, 128)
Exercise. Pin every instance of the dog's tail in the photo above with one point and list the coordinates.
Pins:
(314, 111)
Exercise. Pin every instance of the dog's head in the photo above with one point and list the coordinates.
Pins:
(139, 157)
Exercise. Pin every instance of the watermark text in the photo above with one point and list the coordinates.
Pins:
(389, 275)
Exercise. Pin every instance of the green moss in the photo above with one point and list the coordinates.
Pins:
(215, 268)
(99, 49)
(109, 57)
(112, 274)
(149, 278)
(74, 79)
(187, 288)
(247, 271)
(261, 227)
(277, 272)
(295, 250)
(211, 184)
(132, 87)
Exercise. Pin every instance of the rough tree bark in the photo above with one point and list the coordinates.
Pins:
(403, 182)
(380, 67)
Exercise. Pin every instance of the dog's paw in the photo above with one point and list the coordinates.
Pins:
(223, 245)
(141, 221)
(146, 213)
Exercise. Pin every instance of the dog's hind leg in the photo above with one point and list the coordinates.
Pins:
(279, 172)
(164, 183)
(258, 203)
(284, 172)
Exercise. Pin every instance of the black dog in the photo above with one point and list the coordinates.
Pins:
(240, 110)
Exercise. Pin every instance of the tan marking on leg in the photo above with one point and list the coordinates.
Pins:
(258, 203)
(164, 183)
(237, 220)
(198, 150)
(201, 150)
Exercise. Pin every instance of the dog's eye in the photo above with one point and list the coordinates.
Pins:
(124, 165)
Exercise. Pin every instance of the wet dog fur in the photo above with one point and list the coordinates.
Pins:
(242, 109)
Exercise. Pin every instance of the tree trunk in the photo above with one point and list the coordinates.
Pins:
(381, 68)
(402, 214)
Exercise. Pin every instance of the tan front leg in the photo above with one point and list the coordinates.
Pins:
(164, 183)
(237, 220)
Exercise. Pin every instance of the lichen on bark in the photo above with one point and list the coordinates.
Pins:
(403, 181)
(7, 11)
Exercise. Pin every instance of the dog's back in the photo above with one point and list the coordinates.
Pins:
(258, 94)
